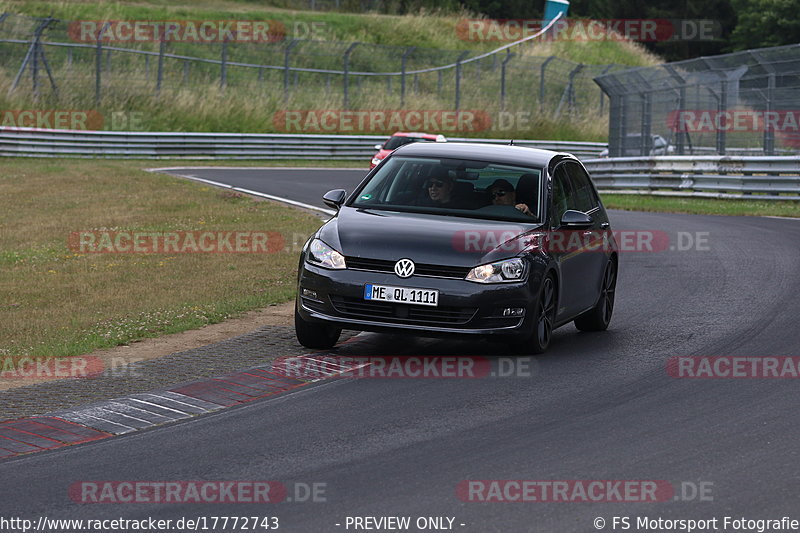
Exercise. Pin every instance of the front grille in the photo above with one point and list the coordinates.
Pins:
(401, 313)
(420, 269)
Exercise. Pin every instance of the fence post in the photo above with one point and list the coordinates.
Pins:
(458, 78)
(99, 63)
(616, 124)
(21, 69)
(34, 52)
(35, 66)
(647, 140)
(769, 133)
(541, 81)
(602, 94)
(403, 60)
(677, 126)
(223, 74)
(722, 108)
(346, 76)
(567, 94)
(160, 72)
(286, 55)
(185, 71)
(571, 93)
(44, 60)
(508, 57)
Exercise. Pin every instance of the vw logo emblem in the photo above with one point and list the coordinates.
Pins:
(404, 268)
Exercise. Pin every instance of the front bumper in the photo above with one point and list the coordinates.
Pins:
(464, 307)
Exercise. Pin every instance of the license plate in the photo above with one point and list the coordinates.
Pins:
(404, 295)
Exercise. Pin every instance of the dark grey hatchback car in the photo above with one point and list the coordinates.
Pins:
(461, 239)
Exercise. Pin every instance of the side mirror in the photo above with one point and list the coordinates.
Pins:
(334, 198)
(576, 220)
(378, 146)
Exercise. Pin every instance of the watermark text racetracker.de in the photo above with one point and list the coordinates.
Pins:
(569, 241)
(41, 367)
(404, 366)
(196, 31)
(71, 119)
(734, 367)
(582, 491)
(380, 120)
(445, 121)
(641, 30)
(37, 367)
(200, 491)
(187, 31)
(173, 242)
(733, 120)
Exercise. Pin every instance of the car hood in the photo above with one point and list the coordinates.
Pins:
(424, 238)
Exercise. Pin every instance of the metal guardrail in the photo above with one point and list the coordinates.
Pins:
(31, 142)
(753, 177)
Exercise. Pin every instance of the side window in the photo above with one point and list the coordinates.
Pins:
(562, 194)
(584, 196)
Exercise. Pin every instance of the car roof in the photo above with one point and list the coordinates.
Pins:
(414, 134)
(501, 153)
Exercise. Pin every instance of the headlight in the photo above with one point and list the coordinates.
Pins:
(376, 160)
(501, 272)
(323, 255)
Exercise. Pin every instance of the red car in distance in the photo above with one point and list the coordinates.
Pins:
(399, 139)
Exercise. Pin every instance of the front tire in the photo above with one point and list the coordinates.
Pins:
(538, 340)
(598, 317)
(315, 334)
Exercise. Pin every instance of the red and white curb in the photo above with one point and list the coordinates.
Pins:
(119, 416)
(41, 433)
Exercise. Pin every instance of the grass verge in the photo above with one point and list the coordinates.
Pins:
(56, 302)
(702, 206)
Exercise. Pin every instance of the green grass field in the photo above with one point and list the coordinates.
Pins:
(56, 301)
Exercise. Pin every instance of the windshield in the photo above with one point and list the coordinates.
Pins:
(457, 187)
(398, 141)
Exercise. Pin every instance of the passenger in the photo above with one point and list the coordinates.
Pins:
(501, 192)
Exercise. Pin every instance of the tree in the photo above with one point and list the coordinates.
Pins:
(765, 23)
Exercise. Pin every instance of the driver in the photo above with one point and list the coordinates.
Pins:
(440, 191)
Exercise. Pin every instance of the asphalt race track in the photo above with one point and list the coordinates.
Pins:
(595, 407)
(300, 185)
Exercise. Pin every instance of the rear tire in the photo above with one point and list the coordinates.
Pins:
(598, 318)
(315, 334)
